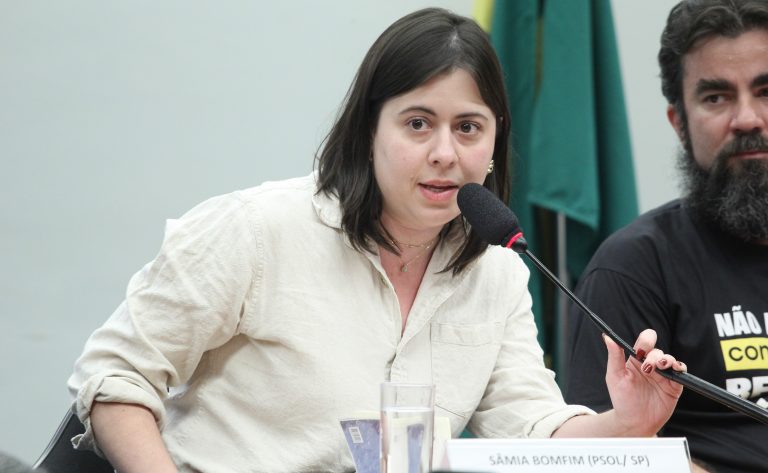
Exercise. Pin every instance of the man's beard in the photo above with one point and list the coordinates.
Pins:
(733, 193)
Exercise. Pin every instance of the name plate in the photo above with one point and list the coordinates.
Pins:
(625, 455)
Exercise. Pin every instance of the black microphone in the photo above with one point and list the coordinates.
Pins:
(498, 225)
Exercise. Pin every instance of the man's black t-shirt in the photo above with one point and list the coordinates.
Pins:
(706, 295)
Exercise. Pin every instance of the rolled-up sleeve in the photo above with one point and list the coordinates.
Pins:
(188, 300)
(522, 398)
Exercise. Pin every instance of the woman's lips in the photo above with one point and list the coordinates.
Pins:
(438, 192)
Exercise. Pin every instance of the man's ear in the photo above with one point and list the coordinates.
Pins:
(676, 120)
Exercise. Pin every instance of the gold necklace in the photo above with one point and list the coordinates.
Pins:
(411, 245)
(424, 248)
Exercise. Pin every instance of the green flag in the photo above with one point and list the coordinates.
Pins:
(570, 135)
(514, 29)
(581, 158)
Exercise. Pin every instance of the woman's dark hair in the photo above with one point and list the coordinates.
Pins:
(413, 50)
(691, 21)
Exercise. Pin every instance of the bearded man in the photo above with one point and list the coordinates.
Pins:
(696, 268)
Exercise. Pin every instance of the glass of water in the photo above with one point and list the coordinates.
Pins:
(407, 425)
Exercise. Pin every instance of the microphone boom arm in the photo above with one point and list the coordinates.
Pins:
(694, 383)
(498, 225)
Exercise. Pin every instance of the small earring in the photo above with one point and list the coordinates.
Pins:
(490, 167)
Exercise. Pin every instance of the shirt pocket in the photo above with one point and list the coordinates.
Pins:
(463, 357)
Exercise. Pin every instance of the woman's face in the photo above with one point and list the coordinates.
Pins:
(428, 143)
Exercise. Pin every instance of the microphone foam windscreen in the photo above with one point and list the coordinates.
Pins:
(488, 215)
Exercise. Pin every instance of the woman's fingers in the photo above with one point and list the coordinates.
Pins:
(658, 359)
(648, 357)
(645, 342)
(655, 358)
(616, 358)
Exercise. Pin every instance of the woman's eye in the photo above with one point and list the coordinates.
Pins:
(417, 123)
(468, 127)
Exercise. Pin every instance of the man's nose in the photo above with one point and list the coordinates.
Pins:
(748, 117)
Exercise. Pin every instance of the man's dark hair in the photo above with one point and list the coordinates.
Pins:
(691, 21)
(416, 48)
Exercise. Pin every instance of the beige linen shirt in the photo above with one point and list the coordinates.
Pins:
(267, 328)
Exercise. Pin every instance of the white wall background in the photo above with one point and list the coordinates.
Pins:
(654, 144)
(117, 115)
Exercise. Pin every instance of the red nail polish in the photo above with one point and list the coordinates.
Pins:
(647, 369)
(640, 354)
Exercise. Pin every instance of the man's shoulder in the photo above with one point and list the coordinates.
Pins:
(657, 223)
(646, 238)
(652, 226)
